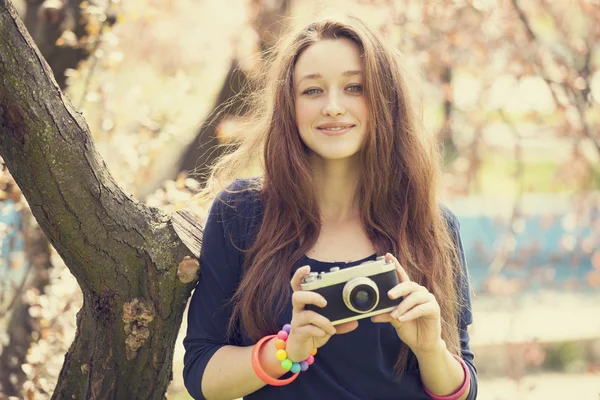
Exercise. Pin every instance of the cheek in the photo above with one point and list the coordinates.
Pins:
(306, 112)
(363, 110)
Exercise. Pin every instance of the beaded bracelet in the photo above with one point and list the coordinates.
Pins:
(281, 354)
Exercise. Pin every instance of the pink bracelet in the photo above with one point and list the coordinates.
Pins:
(460, 391)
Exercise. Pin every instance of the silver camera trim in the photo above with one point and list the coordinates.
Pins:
(315, 281)
(353, 283)
(360, 316)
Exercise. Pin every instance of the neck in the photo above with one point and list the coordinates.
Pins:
(336, 182)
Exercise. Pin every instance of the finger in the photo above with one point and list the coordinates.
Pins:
(297, 277)
(303, 297)
(412, 300)
(404, 289)
(308, 317)
(310, 331)
(346, 327)
(422, 310)
(402, 275)
(386, 317)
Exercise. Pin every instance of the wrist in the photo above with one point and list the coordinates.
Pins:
(297, 355)
(435, 350)
(268, 373)
(269, 362)
(435, 387)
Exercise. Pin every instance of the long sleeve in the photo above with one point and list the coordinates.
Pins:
(466, 315)
(220, 270)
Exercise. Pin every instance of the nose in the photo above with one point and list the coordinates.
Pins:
(334, 107)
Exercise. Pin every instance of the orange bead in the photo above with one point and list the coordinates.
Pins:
(280, 344)
(312, 353)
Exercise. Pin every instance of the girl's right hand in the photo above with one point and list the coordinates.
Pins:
(309, 329)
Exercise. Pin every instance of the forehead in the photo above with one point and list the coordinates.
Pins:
(328, 58)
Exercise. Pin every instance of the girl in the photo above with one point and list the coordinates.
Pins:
(348, 175)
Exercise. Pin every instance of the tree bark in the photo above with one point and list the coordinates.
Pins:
(46, 20)
(123, 254)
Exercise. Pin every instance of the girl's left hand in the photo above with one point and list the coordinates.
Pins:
(417, 318)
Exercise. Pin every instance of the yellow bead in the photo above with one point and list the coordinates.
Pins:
(281, 355)
(280, 344)
(312, 353)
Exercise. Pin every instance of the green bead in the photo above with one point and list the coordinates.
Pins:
(286, 364)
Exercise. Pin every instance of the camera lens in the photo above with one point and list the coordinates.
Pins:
(363, 298)
(361, 295)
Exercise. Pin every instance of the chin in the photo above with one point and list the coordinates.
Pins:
(336, 155)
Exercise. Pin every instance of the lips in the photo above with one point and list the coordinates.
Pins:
(335, 128)
(335, 125)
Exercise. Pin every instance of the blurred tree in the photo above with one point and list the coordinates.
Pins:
(122, 254)
(267, 22)
(22, 328)
(67, 31)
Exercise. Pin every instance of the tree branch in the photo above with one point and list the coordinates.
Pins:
(578, 97)
(124, 255)
(48, 149)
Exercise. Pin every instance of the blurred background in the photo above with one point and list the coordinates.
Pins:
(511, 88)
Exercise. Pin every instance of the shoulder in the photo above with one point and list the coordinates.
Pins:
(242, 196)
(450, 218)
(234, 215)
(238, 210)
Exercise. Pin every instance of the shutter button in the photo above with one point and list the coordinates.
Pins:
(311, 277)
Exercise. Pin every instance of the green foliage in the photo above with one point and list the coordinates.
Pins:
(560, 356)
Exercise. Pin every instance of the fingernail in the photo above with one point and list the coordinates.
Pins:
(394, 314)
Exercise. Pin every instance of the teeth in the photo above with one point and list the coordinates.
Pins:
(339, 128)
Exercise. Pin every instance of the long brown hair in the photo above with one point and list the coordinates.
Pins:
(397, 191)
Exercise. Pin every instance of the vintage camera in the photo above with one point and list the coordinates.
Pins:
(355, 292)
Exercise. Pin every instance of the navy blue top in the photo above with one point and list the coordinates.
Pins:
(356, 365)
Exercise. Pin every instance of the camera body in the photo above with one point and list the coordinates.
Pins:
(354, 293)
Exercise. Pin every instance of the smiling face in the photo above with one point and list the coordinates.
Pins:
(331, 109)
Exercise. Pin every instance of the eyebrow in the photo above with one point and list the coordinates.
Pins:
(316, 76)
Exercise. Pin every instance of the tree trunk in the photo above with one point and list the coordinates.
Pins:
(123, 254)
(46, 20)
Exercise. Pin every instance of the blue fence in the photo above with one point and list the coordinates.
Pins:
(543, 256)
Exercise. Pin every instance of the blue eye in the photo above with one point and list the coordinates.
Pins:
(355, 88)
(312, 91)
